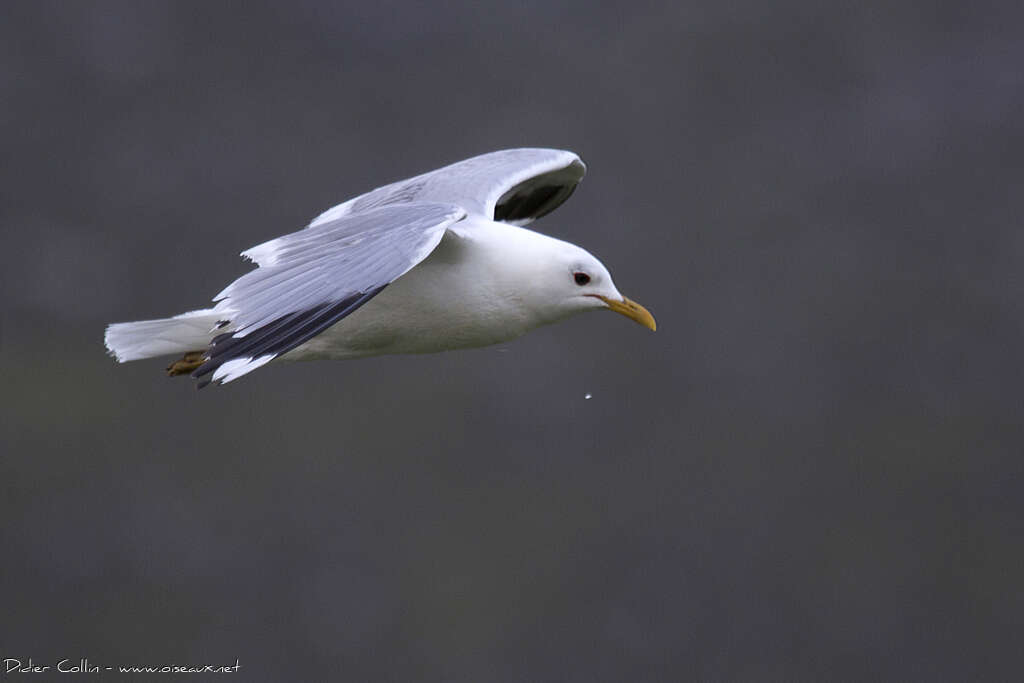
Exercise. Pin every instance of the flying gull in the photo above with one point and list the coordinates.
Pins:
(436, 262)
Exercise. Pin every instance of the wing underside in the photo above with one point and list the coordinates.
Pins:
(514, 185)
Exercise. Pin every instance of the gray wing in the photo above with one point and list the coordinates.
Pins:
(513, 185)
(309, 280)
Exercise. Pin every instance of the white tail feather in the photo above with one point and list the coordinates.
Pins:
(190, 331)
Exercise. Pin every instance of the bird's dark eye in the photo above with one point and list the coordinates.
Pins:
(581, 278)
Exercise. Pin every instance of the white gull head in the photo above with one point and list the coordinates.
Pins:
(555, 279)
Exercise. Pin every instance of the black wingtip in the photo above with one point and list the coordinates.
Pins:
(278, 336)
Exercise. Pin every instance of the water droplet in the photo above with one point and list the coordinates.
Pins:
(587, 397)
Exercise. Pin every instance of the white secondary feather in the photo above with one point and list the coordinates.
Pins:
(233, 369)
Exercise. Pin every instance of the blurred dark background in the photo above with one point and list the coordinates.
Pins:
(813, 471)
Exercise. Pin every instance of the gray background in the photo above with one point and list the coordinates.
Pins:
(813, 470)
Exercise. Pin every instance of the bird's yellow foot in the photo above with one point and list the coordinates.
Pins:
(189, 362)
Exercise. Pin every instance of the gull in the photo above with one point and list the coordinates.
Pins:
(436, 262)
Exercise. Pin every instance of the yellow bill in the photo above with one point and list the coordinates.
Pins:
(631, 310)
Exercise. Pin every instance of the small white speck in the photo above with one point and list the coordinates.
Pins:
(587, 397)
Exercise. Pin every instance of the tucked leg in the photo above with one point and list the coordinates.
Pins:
(189, 362)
